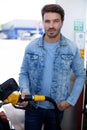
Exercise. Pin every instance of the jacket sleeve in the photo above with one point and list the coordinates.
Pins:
(24, 76)
(80, 77)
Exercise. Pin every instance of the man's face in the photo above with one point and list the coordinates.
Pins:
(52, 24)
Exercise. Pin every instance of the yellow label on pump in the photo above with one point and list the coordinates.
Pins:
(39, 98)
(82, 53)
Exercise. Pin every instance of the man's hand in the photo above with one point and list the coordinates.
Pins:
(63, 105)
(24, 103)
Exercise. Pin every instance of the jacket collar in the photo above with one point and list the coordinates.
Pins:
(62, 41)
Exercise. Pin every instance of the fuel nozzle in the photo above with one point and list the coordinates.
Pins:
(15, 97)
(8, 87)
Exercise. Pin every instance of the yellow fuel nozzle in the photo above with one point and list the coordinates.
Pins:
(39, 98)
(13, 98)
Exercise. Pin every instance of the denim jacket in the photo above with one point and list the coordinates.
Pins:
(67, 59)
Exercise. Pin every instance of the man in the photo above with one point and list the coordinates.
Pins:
(46, 68)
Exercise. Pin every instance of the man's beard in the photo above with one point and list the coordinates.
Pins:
(50, 35)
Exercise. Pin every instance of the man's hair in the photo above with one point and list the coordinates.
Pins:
(54, 8)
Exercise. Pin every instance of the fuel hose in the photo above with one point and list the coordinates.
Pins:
(44, 98)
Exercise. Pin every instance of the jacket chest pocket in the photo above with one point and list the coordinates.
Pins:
(66, 60)
(33, 60)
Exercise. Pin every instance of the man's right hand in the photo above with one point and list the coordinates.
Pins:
(24, 103)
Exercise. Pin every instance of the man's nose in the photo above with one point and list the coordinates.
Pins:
(51, 24)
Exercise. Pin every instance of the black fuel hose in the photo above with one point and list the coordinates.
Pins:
(41, 98)
(56, 111)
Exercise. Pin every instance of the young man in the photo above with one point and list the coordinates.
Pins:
(46, 68)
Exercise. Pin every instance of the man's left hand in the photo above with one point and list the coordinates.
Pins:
(63, 105)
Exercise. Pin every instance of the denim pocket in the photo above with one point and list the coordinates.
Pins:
(66, 60)
(33, 60)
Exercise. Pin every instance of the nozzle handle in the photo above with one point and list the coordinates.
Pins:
(32, 98)
(27, 98)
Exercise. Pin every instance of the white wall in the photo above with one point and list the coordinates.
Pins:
(73, 10)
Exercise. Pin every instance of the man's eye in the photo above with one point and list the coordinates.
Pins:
(57, 21)
(47, 21)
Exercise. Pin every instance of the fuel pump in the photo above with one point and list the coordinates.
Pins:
(9, 93)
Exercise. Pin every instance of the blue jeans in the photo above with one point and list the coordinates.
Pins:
(35, 118)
